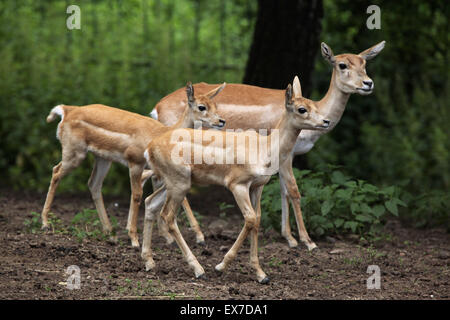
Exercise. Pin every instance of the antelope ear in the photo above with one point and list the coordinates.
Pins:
(190, 92)
(327, 53)
(372, 51)
(297, 88)
(215, 91)
(289, 101)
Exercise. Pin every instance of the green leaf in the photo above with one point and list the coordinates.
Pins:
(338, 222)
(389, 190)
(327, 206)
(344, 194)
(354, 207)
(350, 184)
(301, 173)
(319, 231)
(364, 218)
(365, 208)
(338, 177)
(351, 225)
(391, 205)
(399, 202)
(369, 188)
(378, 210)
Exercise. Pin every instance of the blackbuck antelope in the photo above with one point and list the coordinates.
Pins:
(250, 107)
(116, 135)
(227, 159)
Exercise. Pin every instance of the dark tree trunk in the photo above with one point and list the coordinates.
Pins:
(285, 43)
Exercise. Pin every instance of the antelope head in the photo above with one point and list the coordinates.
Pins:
(203, 108)
(350, 69)
(303, 113)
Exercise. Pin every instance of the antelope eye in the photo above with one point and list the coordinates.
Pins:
(201, 108)
(302, 110)
(342, 66)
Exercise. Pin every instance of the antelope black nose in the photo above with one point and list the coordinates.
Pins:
(368, 83)
(327, 122)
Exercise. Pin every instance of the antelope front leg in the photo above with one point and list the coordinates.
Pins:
(199, 237)
(162, 227)
(168, 215)
(241, 194)
(285, 225)
(288, 177)
(136, 195)
(153, 205)
(164, 231)
(254, 260)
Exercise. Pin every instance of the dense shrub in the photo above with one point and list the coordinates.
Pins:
(334, 203)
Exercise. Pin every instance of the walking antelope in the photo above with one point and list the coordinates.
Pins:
(250, 107)
(116, 135)
(244, 175)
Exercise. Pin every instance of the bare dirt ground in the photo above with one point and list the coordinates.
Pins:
(414, 264)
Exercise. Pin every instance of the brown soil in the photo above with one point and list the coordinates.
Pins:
(414, 263)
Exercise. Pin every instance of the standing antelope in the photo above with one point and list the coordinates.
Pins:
(241, 172)
(116, 135)
(250, 107)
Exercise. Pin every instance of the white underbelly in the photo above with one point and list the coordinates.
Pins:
(108, 155)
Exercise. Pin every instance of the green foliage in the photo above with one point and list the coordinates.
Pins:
(430, 209)
(398, 135)
(223, 206)
(334, 203)
(127, 54)
(86, 224)
(33, 225)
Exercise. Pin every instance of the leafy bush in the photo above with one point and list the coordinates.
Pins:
(334, 203)
(429, 209)
(85, 224)
(116, 59)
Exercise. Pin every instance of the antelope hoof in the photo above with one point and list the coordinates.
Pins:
(170, 241)
(135, 244)
(202, 243)
(220, 267)
(173, 245)
(202, 277)
(265, 280)
(149, 265)
(45, 227)
(292, 243)
(311, 246)
(113, 240)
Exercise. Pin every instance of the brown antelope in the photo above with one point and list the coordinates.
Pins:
(244, 175)
(250, 107)
(117, 135)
